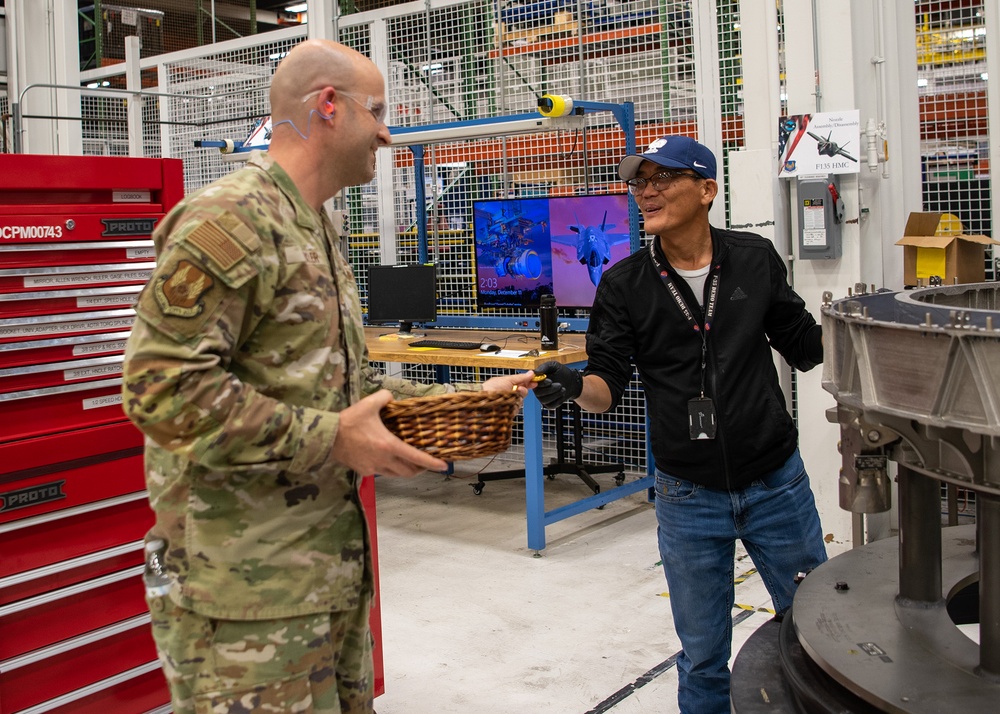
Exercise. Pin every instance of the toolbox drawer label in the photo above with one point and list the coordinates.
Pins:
(110, 400)
(55, 281)
(22, 498)
(127, 226)
(25, 232)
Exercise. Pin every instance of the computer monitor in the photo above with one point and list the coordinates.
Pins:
(529, 247)
(402, 294)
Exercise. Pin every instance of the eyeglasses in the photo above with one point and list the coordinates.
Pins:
(377, 109)
(660, 181)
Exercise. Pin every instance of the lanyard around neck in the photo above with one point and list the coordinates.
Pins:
(675, 293)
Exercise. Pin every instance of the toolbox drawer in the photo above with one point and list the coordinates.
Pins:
(141, 690)
(58, 349)
(53, 537)
(51, 410)
(61, 614)
(23, 328)
(42, 675)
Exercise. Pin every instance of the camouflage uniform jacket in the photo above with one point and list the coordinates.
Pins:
(248, 343)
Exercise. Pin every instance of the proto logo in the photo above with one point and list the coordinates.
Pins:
(32, 496)
(114, 227)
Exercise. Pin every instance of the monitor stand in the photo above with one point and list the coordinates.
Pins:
(406, 331)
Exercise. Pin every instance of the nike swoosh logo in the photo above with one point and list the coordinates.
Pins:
(699, 166)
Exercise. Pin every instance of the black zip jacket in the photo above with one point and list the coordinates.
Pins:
(635, 319)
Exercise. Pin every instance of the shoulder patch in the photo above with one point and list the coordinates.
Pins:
(179, 293)
(224, 250)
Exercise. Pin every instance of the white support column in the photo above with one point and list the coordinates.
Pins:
(704, 21)
(755, 194)
(758, 200)
(384, 164)
(44, 49)
(885, 71)
(991, 12)
(133, 83)
(162, 83)
(322, 23)
(831, 62)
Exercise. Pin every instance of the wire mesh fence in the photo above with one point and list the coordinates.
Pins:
(165, 26)
(954, 138)
(454, 60)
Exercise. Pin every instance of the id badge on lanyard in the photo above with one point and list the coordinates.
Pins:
(701, 409)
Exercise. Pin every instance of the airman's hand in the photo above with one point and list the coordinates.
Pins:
(365, 445)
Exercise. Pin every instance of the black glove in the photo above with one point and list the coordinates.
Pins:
(561, 384)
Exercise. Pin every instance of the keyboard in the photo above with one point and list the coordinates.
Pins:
(446, 344)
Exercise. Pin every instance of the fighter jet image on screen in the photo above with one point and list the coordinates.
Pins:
(593, 245)
(825, 147)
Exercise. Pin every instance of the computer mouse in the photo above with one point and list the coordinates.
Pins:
(489, 347)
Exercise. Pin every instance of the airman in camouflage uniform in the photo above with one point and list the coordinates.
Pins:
(248, 372)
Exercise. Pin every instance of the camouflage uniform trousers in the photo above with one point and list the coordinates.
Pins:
(314, 664)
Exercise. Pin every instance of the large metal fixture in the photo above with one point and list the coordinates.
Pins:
(916, 376)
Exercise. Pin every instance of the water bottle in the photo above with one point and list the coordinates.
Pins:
(548, 323)
(155, 575)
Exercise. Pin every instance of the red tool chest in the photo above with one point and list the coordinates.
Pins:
(75, 250)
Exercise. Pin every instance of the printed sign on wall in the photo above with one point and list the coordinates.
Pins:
(822, 143)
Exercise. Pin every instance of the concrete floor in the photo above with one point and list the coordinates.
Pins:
(475, 623)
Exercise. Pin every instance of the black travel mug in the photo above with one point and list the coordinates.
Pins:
(548, 323)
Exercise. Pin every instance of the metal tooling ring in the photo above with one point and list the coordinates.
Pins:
(923, 365)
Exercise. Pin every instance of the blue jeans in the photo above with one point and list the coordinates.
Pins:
(697, 527)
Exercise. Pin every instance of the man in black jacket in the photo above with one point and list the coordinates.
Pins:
(698, 312)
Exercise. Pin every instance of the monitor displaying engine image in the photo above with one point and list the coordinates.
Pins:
(529, 247)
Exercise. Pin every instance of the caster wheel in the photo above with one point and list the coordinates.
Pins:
(477, 488)
(619, 479)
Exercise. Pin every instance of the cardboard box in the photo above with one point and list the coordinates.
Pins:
(948, 256)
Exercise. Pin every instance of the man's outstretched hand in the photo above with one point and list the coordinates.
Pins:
(561, 384)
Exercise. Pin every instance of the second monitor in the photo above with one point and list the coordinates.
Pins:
(402, 294)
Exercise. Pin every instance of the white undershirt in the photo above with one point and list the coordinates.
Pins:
(695, 279)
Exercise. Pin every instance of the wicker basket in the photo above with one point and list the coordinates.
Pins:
(462, 425)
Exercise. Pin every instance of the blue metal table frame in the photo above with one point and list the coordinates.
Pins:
(534, 471)
(534, 482)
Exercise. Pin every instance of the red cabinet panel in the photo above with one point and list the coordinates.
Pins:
(25, 458)
(17, 354)
(52, 410)
(56, 674)
(70, 536)
(30, 583)
(65, 613)
(16, 379)
(375, 619)
(141, 693)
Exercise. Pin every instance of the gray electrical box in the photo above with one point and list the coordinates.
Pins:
(821, 217)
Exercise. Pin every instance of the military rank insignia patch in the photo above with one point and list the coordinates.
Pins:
(178, 294)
